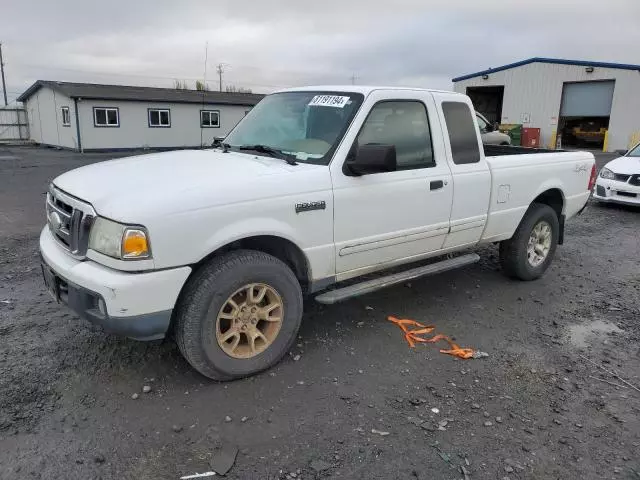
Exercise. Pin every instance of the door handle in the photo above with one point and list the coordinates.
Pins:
(436, 184)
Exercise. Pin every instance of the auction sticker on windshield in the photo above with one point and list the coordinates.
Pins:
(329, 101)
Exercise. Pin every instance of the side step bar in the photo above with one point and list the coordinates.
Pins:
(335, 296)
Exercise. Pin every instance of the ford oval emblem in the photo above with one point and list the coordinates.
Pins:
(55, 221)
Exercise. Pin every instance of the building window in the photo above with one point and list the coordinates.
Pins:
(66, 117)
(106, 117)
(210, 118)
(159, 117)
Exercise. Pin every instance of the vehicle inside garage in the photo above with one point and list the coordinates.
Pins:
(488, 101)
(579, 104)
(584, 113)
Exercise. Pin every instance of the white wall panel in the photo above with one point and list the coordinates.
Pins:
(536, 90)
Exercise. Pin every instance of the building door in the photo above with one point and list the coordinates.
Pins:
(488, 101)
(585, 112)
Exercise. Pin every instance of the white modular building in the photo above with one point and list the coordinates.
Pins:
(92, 117)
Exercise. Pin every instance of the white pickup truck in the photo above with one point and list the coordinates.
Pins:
(312, 189)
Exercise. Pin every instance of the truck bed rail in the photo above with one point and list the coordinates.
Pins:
(500, 150)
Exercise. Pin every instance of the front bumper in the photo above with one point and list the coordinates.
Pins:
(137, 305)
(614, 191)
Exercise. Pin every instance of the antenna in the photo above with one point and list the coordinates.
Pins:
(354, 77)
(4, 86)
(204, 88)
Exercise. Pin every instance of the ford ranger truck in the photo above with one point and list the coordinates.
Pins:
(313, 189)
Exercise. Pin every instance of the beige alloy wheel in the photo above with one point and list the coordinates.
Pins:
(249, 321)
(539, 243)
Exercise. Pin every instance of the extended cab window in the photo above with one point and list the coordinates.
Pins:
(404, 124)
(462, 132)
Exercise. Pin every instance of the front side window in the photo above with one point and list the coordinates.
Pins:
(159, 117)
(463, 135)
(304, 125)
(106, 117)
(210, 118)
(66, 117)
(404, 124)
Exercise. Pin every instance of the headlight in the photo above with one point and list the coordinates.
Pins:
(608, 174)
(118, 241)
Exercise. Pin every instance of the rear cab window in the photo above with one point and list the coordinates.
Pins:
(463, 134)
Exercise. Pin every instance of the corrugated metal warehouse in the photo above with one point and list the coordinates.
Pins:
(585, 104)
(86, 117)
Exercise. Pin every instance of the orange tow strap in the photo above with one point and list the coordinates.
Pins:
(413, 336)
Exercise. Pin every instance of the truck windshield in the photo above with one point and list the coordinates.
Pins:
(306, 126)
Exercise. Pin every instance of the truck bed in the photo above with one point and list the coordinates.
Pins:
(500, 150)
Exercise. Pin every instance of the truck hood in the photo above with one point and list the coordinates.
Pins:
(129, 189)
(625, 165)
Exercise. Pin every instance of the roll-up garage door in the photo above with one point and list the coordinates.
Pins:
(587, 99)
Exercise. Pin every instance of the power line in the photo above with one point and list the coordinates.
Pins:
(164, 77)
(220, 70)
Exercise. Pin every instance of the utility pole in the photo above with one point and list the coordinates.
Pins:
(220, 70)
(4, 85)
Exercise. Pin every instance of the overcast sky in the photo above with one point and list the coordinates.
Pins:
(270, 44)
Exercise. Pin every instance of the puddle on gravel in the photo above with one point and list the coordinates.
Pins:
(582, 333)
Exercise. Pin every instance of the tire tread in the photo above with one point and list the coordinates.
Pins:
(199, 287)
(513, 251)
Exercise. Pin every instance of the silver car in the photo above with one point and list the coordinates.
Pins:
(490, 134)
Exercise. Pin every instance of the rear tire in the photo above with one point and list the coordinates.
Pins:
(218, 301)
(528, 254)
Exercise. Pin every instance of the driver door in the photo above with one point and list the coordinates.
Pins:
(394, 217)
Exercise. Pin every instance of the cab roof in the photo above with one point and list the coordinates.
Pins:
(364, 89)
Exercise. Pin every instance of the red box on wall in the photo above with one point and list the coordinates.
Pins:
(531, 137)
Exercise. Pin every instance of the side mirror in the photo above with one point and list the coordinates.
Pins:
(217, 141)
(496, 126)
(371, 158)
(488, 128)
(622, 153)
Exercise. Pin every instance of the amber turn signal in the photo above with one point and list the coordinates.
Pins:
(135, 244)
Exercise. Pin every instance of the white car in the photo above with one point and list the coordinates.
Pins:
(619, 180)
(489, 133)
(314, 187)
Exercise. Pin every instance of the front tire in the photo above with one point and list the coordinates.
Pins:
(528, 254)
(238, 315)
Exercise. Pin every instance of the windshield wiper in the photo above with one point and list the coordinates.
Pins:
(274, 152)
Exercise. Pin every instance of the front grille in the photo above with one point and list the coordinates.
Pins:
(600, 191)
(70, 221)
(635, 180)
(621, 177)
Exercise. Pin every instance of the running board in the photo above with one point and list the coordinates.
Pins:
(335, 296)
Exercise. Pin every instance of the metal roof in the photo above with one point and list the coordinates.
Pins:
(146, 94)
(582, 63)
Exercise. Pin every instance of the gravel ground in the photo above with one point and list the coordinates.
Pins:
(533, 409)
